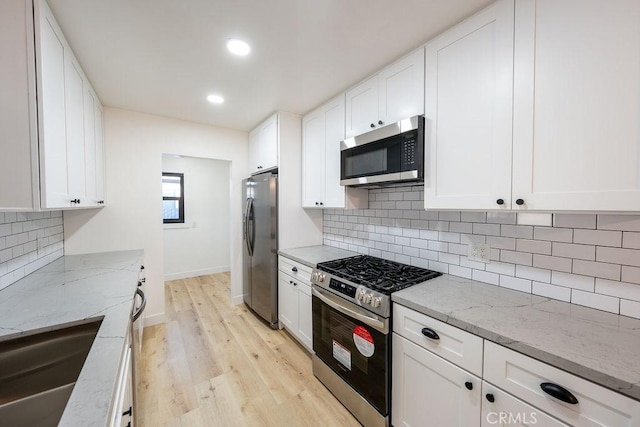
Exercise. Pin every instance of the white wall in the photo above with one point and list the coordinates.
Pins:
(201, 245)
(132, 218)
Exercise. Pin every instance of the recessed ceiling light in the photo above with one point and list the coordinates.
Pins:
(238, 47)
(215, 99)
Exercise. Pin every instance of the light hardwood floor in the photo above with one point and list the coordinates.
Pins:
(214, 364)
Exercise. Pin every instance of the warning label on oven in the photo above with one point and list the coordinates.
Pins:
(341, 354)
(363, 341)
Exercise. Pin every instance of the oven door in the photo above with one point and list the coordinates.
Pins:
(355, 344)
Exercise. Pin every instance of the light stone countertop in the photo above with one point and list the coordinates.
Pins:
(312, 255)
(70, 290)
(598, 346)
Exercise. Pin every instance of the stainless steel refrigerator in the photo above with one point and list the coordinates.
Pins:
(260, 245)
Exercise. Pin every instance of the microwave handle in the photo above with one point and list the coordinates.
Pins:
(367, 320)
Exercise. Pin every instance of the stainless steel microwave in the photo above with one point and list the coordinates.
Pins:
(393, 153)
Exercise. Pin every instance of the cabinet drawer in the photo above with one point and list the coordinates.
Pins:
(522, 376)
(506, 410)
(295, 269)
(453, 344)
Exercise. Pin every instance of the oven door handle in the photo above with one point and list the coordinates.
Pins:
(332, 302)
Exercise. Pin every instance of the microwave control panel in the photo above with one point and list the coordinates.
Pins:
(409, 154)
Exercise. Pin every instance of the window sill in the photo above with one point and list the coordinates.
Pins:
(175, 226)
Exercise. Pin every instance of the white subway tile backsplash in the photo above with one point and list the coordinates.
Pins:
(630, 274)
(598, 237)
(570, 250)
(537, 274)
(19, 234)
(619, 222)
(551, 291)
(597, 269)
(533, 246)
(586, 259)
(527, 218)
(584, 283)
(630, 308)
(515, 283)
(618, 256)
(600, 302)
(574, 221)
(631, 240)
(552, 263)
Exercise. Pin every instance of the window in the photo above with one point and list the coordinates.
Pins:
(172, 197)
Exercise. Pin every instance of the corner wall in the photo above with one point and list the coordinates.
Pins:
(132, 217)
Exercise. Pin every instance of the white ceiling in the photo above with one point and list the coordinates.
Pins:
(164, 56)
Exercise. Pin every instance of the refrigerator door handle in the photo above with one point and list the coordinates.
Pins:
(249, 225)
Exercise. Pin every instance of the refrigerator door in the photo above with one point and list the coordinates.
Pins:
(262, 235)
(247, 195)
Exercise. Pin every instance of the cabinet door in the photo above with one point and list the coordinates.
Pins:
(18, 128)
(334, 193)
(362, 107)
(313, 151)
(254, 144)
(287, 302)
(90, 147)
(428, 390)
(75, 123)
(468, 98)
(268, 157)
(100, 159)
(53, 142)
(305, 330)
(506, 410)
(401, 89)
(576, 105)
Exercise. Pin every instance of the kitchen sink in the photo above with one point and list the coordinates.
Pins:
(38, 371)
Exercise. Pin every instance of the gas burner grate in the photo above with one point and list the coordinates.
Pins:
(378, 274)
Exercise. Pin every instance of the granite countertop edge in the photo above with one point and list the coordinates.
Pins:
(313, 255)
(536, 350)
(77, 289)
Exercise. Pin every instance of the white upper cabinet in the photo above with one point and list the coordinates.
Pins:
(322, 132)
(50, 146)
(577, 105)
(535, 107)
(263, 146)
(468, 113)
(395, 93)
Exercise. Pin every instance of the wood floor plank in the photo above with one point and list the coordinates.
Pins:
(214, 364)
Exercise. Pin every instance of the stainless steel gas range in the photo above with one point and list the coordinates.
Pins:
(351, 330)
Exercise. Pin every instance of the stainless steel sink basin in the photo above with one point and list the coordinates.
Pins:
(38, 372)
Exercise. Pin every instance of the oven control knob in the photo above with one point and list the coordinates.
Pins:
(314, 276)
(367, 298)
(376, 302)
(360, 295)
(321, 277)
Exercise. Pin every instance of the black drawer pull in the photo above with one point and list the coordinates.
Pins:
(127, 412)
(430, 333)
(559, 392)
(490, 397)
(469, 385)
(294, 269)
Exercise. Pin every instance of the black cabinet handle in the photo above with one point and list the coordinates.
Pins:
(559, 392)
(142, 267)
(519, 202)
(500, 202)
(75, 201)
(490, 397)
(468, 385)
(430, 333)
(139, 283)
(294, 269)
(127, 412)
(372, 125)
(321, 204)
(380, 122)
(291, 282)
(317, 203)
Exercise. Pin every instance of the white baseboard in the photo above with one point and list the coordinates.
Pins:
(237, 299)
(154, 319)
(196, 273)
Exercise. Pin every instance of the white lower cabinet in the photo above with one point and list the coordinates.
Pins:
(294, 300)
(429, 391)
(431, 388)
(122, 412)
